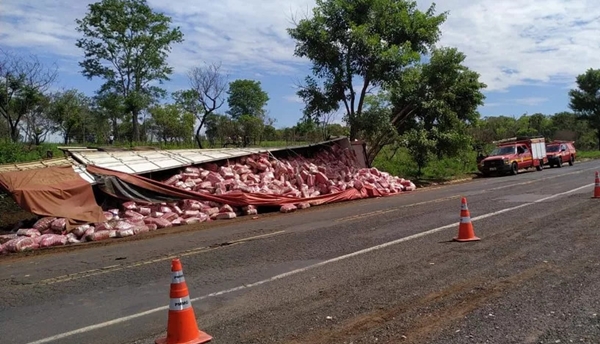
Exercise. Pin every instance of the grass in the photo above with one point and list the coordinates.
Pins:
(16, 152)
(402, 165)
(588, 154)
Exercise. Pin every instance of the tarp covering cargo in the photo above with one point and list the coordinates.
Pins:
(53, 191)
(141, 189)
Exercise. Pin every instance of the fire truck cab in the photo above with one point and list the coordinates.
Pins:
(514, 154)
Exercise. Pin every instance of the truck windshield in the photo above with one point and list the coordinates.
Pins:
(506, 150)
(552, 149)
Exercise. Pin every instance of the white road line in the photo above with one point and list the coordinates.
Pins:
(297, 271)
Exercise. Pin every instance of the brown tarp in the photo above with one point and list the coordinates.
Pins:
(54, 191)
(233, 199)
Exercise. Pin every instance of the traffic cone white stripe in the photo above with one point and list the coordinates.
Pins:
(177, 277)
(465, 219)
(180, 303)
(464, 207)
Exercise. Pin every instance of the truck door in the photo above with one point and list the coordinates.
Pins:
(564, 153)
(523, 157)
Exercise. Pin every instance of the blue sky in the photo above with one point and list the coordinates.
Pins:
(527, 52)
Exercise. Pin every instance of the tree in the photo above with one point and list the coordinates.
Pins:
(251, 128)
(69, 110)
(127, 44)
(585, 100)
(109, 107)
(23, 82)
(368, 40)
(37, 123)
(376, 125)
(246, 97)
(442, 94)
(420, 146)
(205, 97)
(171, 123)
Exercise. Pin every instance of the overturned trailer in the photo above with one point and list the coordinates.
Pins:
(139, 191)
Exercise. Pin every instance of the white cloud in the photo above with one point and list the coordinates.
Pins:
(293, 99)
(515, 42)
(531, 101)
(509, 42)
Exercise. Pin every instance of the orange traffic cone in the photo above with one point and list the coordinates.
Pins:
(465, 229)
(597, 187)
(181, 326)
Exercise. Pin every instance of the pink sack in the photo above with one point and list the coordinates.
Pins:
(80, 230)
(20, 244)
(122, 233)
(135, 216)
(129, 206)
(43, 223)
(226, 209)
(287, 208)
(58, 225)
(49, 240)
(145, 211)
(28, 232)
(7, 237)
(303, 205)
(223, 216)
(99, 235)
(108, 215)
(122, 225)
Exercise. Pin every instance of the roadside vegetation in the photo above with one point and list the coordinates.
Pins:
(370, 81)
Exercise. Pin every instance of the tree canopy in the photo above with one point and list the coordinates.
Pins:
(246, 97)
(126, 43)
(585, 100)
(371, 41)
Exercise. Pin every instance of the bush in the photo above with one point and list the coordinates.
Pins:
(18, 152)
(401, 164)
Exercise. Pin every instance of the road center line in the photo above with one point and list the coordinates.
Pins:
(113, 268)
(297, 271)
(444, 199)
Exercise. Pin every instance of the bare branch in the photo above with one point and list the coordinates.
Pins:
(22, 82)
(209, 86)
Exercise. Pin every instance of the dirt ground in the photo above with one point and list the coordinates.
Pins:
(12, 214)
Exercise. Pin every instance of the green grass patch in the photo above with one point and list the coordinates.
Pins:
(588, 154)
(17, 152)
(437, 170)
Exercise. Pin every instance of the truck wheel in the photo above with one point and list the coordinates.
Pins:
(514, 169)
(559, 163)
(540, 167)
(571, 160)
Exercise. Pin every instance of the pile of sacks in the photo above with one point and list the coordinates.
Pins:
(328, 172)
(132, 219)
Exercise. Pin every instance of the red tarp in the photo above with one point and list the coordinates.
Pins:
(237, 199)
(53, 191)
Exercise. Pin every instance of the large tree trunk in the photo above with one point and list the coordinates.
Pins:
(598, 135)
(353, 132)
(14, 133)
(198, 139)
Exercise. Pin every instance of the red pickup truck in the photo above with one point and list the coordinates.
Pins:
(559, 152)
(514, 154)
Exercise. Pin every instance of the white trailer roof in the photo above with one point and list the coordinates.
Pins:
(145, 161)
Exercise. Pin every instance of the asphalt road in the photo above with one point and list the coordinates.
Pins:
(372, 271)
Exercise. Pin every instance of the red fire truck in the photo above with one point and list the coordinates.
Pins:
(514, 154)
